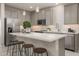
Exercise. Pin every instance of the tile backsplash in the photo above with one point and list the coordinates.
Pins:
(53, 28)
(72, 26)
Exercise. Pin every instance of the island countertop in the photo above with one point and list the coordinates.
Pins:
(48, 37)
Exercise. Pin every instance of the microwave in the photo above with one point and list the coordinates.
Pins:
(41, 22)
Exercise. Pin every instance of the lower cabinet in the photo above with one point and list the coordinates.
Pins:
(70, 42)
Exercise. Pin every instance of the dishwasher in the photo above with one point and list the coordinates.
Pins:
(70, 42)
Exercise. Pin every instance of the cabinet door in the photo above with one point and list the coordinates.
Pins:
(51, 19)
(78, 15)
(70, 14)
(41, 14)
(14, 13)
(34, 17)
(7, 12)
(67, 15)
(48, 16)
(27, 17)
(70, 42)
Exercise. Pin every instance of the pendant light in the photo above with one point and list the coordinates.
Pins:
(24, 13)
(37, 9)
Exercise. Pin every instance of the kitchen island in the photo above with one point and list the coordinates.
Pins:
(54, 43)
(71, 41)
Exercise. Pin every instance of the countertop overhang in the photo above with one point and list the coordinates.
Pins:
(48, 37)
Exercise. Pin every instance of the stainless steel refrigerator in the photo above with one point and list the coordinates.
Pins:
(8, 28)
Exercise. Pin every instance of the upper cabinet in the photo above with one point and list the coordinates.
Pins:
(34, 18)
(48, 16)
(70, 14)
(7, 12)
(42, 14)
(15, 15)
(78, 14)
(11, 12)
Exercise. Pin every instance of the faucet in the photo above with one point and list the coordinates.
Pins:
(57, 27)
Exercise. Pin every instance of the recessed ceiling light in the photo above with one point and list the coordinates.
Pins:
(57, 3)
(31, 7)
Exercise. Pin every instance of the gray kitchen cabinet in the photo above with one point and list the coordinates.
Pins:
(27, 17)
(54, 16)
(48, 16)
(14, 13)
(51, 19)
(70, 42)
(11, 12)
(78, 14)
(70, 14)
(7, 12)
(41, 14)
(46, 13)
(20, 16)
(34, 18)
(37, 16)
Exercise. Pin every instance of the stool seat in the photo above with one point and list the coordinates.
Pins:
(20, 42)
(28, 45)
(14, 43)
(28, 49)
(39, 50)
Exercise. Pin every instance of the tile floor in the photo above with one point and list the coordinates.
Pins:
(67, 53)
(70, 53)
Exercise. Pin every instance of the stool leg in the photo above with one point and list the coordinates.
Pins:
(32, 54)
(13, 50)
(25, 51)
(47, 53)
(8, 50)
(29, 51)
(41, 54)
(20, 50)
(16, 50)
(35, 54)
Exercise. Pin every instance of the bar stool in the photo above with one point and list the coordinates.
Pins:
(15, 46)
(39, 51)
(9, 45)
(28, 49)
(19, 47)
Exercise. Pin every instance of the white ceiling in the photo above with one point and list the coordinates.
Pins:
(26, 6)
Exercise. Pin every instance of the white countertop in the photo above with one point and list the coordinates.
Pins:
(48, 37)
(62, 32)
